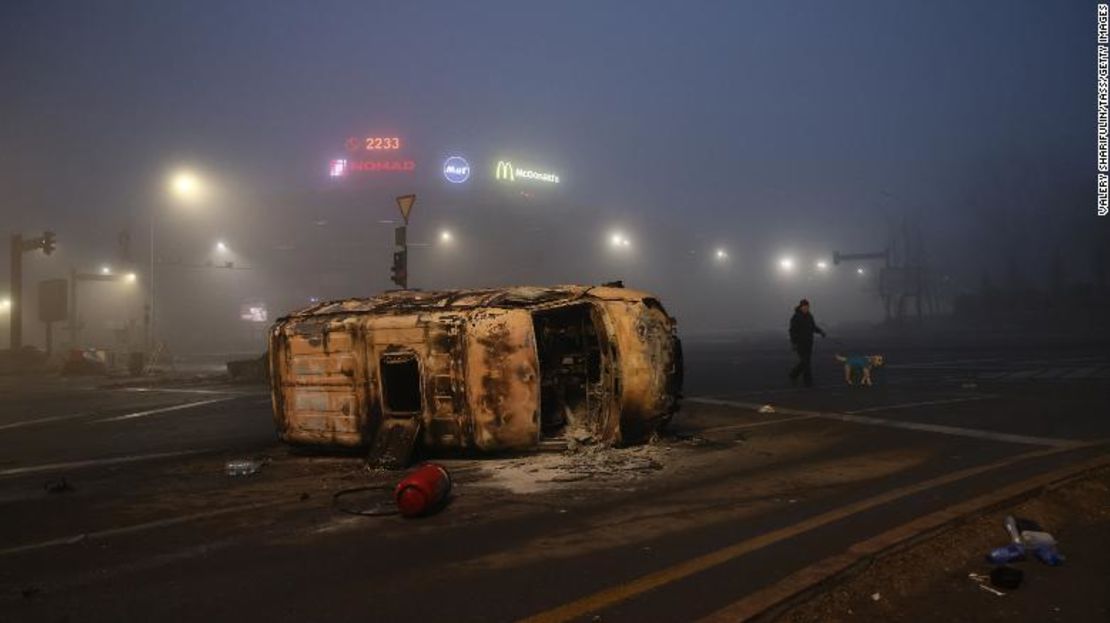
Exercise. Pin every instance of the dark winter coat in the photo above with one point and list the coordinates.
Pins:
(802, 328)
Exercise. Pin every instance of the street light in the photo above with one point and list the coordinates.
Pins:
(619, 240)
(822, 265)
(220, 246)
(105, 270)
(130, 277)
(721, 255)
(445, 236)
(185, 184)
(5, 304)
(860, 271)
(786, 264)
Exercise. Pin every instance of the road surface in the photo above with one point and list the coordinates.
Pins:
(709, 519)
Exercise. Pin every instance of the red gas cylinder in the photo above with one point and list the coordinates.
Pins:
(423, 491)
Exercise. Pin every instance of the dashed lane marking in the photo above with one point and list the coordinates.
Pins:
(160, 410)
(44, 420)
(115, 460)
(917, 426)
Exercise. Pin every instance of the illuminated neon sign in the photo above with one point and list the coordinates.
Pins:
(456, 169)
(506, 172)
(373, 143)
(342, 167)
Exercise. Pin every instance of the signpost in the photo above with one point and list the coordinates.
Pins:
(53, 306)
(400, 270)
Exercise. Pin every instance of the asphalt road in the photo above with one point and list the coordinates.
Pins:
(730, 504)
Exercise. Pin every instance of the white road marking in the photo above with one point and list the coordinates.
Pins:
(116, 460)
(929, 428)
(149, 412)
(178, 390)
(44, 420)
(717, 429)
(928, 403)
(159, 523)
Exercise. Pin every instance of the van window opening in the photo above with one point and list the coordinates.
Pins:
(569, 354)
(401, 383)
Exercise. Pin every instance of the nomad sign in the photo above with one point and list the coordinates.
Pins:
(506, 172)
(341, 167)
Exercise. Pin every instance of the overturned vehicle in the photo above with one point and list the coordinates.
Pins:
(489, 370)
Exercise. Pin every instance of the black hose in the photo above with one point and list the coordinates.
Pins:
(375, 511)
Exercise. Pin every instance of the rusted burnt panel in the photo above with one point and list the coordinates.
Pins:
(502, 380)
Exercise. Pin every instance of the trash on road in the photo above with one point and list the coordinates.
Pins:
(1010, 553)
(60, 485)
(243, 467)
(992, 590)
(766, 409)
(424, 491)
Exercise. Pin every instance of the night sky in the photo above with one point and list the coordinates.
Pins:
(762, 128)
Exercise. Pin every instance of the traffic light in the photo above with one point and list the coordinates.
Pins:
(48, 243)
(399, 273)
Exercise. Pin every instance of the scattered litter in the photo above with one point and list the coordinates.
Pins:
(61, 485)
(1049, 555)
(598, 463)
(876, 597)
(766, 409)
(992, 590)
(1006, 577)
(1012, 552)
(243, 467)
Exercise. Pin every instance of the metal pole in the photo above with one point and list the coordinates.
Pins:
(73, 308)
(16, 318)
(150, 305)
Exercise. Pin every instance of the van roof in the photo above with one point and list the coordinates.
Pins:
(397, 302)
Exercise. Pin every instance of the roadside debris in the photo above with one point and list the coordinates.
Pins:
(243, 467)
(766, 409)
(60, 485)
(1006, 577)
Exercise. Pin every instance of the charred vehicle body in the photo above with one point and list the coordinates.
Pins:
(489, 370)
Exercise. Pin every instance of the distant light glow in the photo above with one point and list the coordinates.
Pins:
(220, 246)
(185, 184)
(721, 254)
(787, 264)
(338, 168)
(5, 304)
(105, 270)
(445, 236)
(619, 240)
(254, 312)
(822, 265)
(456, 169)
(860, 271)
(130, 277)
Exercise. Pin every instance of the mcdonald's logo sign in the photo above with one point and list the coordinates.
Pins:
(506, 172)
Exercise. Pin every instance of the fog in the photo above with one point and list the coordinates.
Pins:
(767, 131)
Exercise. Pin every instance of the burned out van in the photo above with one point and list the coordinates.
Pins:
(488, 370)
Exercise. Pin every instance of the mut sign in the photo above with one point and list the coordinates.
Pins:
(506, 172)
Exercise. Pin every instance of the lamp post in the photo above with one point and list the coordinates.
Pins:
(185, 186)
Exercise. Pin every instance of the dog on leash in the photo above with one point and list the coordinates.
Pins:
(860, 365)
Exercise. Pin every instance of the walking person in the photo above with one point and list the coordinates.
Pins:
(802, 328)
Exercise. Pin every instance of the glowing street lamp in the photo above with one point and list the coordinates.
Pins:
(860, 271)
(130, 277)
(822, 266)
(618, 240)
(721, 255)
(786, 264)
(105, 270)
(221, 247)
(445, 236)
(185, 184)
(5, 304)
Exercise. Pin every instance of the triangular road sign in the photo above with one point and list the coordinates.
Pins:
(404, 202)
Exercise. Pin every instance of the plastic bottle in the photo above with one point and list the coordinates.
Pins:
(1049, 555)
(242, 467)
(1009, 553)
